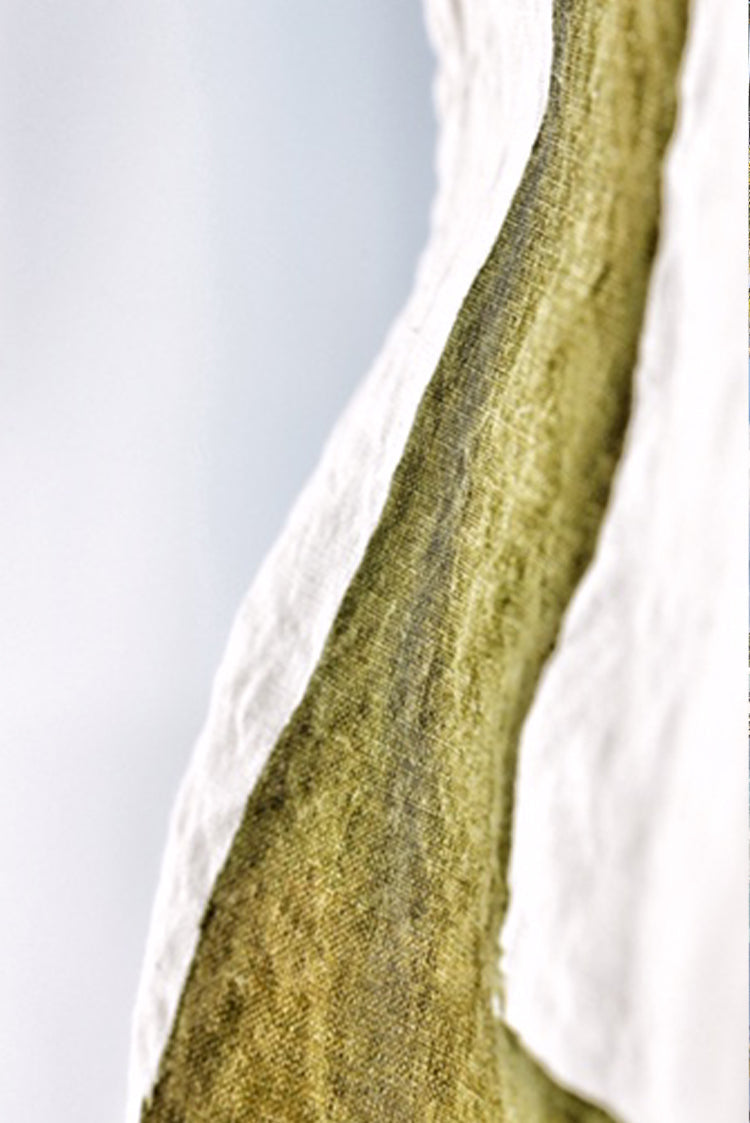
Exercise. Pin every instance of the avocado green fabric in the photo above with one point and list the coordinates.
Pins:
(347, 965)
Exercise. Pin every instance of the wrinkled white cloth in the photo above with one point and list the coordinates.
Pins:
(492, 76)
(626, 936)
(623, 916)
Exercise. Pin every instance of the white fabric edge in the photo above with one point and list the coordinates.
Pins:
(493, 72)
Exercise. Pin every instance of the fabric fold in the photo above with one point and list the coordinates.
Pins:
(347, 961)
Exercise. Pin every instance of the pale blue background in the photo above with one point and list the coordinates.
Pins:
(209, 215)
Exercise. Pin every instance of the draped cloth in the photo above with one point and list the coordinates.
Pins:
(326, 937)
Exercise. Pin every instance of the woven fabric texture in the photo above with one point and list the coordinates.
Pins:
(346, 967)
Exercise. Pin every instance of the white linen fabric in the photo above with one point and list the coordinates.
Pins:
(621, 941)
(626, 939)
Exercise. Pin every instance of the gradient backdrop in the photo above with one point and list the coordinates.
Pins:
(182, 188)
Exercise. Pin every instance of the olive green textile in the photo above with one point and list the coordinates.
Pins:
(347, 964)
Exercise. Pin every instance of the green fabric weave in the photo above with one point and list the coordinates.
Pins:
(347, 965)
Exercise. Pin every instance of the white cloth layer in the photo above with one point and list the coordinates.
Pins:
(626, 940)
(621, 915)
